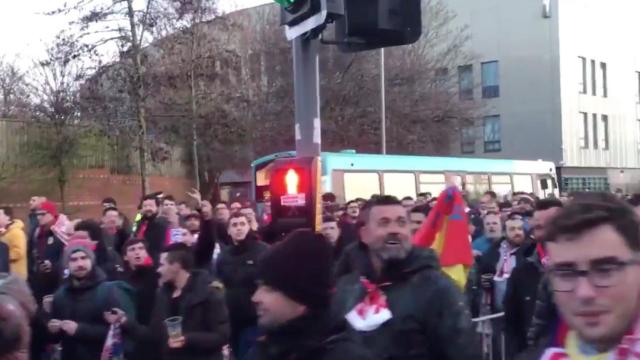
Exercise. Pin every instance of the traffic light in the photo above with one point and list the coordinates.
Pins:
(296, 11)
(373, 24)
(294, 194)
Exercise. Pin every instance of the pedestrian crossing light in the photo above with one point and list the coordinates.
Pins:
(292, 180)
(294, 188)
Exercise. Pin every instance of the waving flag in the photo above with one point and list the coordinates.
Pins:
(446, 231)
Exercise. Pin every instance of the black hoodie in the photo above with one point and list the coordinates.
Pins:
(430, 319)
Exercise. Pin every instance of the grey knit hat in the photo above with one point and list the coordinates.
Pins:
(78, 243)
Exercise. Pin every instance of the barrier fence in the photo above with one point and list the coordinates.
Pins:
(486, 326)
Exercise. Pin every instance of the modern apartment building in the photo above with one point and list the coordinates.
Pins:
(560, 81)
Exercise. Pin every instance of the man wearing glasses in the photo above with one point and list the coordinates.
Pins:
(593, 246)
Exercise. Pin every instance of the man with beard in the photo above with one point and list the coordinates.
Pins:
(237, 269)
(142, 277)
(78, 306)
(152, 228)
(492, 226)
(17, 307)
(522, 286)
(405, 306)
(497, 264)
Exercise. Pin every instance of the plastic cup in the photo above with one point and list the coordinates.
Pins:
(47, 303)
(174, 327)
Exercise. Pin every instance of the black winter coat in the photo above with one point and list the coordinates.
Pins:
(156, 235)
(519, 302)
(45, 283)
(145, 282)
(430, 319)
(211, 232)
(310, 337)
(85, 304)
(354, 259)
(205, 323)
(237, 269)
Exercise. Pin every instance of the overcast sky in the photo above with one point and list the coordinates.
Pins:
(26, 30)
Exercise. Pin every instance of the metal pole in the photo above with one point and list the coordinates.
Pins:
(306, 75)
(383, 105)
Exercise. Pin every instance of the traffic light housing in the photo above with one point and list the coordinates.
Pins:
(296, 11)
(294, 189)
(373, 24)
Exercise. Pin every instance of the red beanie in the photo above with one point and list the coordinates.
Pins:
(49, 207)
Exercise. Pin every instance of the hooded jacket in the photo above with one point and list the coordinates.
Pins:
(205, 323)
(16, 240)
(309, 337)
(430, 319)
(84, 303)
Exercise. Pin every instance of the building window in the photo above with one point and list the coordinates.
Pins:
(571, 184)
(442, 77)
(490, 80)
(595, 131)
(465, 82)
(584, 138)
(593, 78)
(492, 137)
(603, 69)
(605, 132)
(583, 84)
(468, 140)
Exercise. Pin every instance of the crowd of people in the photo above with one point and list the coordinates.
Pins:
(193, 280)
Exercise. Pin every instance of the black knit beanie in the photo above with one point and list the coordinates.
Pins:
(301, 268)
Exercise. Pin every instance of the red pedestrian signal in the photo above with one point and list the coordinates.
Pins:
(292, 181)
(294, 188)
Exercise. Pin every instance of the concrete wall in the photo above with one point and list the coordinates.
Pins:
(527, 47)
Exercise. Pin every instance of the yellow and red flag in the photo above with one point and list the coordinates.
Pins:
(446, 231)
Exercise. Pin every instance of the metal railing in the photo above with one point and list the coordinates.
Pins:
(486, 329)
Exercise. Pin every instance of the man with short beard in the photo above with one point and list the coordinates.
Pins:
(152, 228)
(78, 306)
(419, 312)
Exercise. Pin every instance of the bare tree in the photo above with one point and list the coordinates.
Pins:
(423, 107)
(125, 23)
(13, 94)
(54, 86)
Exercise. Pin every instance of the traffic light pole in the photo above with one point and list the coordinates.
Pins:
(306, 80)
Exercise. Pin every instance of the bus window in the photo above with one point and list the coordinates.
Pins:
(523, 183)
(361, 185)
(399, 184)
(476, 185)
(432, 183)
(263, 178)
(501, 184)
